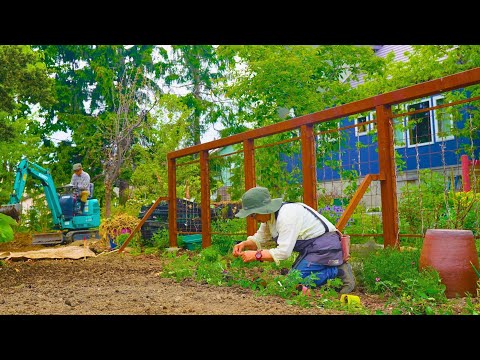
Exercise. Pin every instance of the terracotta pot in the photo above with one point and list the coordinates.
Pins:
(450, 253)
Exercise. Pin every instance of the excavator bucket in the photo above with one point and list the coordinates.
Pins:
(13, 210)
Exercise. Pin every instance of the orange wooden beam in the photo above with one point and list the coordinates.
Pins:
(355, 200)
(309, 166)
(205, 206)
(250, 182)
(388, 184)
(447, 83)
(140, 224)
(172, 204)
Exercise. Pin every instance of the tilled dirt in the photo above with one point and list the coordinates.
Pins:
(119, 283)
(122, 284)
(125, 284)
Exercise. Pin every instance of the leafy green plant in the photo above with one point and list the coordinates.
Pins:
(179, 267)
(209, 255)
(436, 207)
(471, 308)
(475, 269)
(396, 274)
(211, 268)
(389, 265)
(461, 211)
(284, 285)
(6, 228)
(224, 244)
(158, 240)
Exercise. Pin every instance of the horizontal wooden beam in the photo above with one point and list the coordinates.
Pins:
(447, 83)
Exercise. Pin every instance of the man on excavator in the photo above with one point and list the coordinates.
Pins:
(81, 181)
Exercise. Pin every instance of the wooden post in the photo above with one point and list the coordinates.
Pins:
(205, 191)
(388, 179)
(249, 164)
(172, 202)
(309, 166)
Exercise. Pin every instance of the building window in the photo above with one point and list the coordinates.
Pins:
(398, 132)
(362, 128)
(372, 116)
(365, 129)
(443, 121)
(419, 125)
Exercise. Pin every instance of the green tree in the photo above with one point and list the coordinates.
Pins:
(198, 70)
(167, 131)
(93, 83)
(271, 83)
(25, 86)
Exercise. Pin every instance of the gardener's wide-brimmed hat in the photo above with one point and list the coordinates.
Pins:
(257, 200)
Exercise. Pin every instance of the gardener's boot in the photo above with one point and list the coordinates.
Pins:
(345, 273)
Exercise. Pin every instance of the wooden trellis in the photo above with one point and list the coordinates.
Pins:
(381, 105)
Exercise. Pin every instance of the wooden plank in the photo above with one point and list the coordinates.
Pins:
(205, 193)
(140, 224)
(250, 181)
(355, 200)
(309, 166)
(447, 83)
(388, 184)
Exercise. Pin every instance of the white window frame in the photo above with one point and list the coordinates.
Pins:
(357, 128)
(403, 140)
(372, 115)
(432, 135)
(439, 138)
(399, 121)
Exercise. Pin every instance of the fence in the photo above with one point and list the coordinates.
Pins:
(366, 154)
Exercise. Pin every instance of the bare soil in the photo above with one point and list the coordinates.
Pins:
(125, 284)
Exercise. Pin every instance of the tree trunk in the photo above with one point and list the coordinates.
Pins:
(124, 193)
(108, 198)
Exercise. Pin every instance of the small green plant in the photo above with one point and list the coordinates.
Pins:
(284, 285)
(224, 243)
(158, 240)
(471, 308)
(210, 255)
(391, 265)
(396, 274)
(6, 228)
(475, 269)
(179, 267)
(213, 273)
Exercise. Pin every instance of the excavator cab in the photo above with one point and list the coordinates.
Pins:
(70, 201)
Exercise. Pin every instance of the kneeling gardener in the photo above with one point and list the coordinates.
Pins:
(294, 227)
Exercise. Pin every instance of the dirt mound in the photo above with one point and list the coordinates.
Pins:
(21, 242)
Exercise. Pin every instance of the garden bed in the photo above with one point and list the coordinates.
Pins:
(131, 284)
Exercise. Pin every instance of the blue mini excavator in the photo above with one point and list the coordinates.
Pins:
(69, 222)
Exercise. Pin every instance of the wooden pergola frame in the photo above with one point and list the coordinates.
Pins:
(381, 104)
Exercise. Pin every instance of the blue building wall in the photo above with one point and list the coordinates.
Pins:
(438, 154)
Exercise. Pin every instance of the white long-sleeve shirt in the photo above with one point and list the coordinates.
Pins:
(293, 223)
(82, 181)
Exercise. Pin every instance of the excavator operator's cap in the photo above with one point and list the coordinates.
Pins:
(77, 167)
